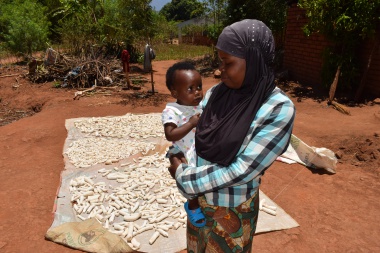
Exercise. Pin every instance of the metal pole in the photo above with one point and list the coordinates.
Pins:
(151, 79)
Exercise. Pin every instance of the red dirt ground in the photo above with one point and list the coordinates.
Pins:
(336, 213)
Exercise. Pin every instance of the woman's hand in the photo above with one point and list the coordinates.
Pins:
(175, 161)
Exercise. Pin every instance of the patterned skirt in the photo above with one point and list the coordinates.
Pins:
(228, 229)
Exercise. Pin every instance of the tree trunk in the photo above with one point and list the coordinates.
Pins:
(331, 101)
(334, 85)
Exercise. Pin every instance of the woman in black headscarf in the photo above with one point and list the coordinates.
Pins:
(246, 123)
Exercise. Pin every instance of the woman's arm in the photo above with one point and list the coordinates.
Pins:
(271, 136)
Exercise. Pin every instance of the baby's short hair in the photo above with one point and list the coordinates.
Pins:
(182, 65)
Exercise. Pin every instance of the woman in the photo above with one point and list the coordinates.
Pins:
(246, 123)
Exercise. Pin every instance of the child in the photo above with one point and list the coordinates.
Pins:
(180, 119)
(125, 62)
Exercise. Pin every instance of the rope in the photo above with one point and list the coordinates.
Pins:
(286, 186)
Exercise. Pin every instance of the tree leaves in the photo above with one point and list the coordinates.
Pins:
(27, 27)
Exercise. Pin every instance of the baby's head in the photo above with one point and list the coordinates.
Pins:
(185, 83)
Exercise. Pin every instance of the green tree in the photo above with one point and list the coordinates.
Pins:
(52, 6)
(105, 23)
(182, 10)
(345, 23)
(271, 12)
(216, 11)
(79, 25)
(27, 27)
(136, 18)
(163, 30)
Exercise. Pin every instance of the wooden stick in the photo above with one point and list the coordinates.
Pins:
(79, 94)
(10, 75)
(340, 108)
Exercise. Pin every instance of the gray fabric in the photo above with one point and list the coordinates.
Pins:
(238, 37)
(149, 55)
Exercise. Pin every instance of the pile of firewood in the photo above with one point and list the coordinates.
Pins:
(78, 72)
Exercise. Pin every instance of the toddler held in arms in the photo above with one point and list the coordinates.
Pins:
(180, 119)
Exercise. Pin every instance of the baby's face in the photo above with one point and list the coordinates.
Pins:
(187, 87)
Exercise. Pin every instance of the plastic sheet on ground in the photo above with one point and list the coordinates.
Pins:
(64, 213)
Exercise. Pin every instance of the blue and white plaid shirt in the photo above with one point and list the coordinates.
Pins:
(266, 139)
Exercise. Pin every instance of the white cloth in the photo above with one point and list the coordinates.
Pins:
(179, 115)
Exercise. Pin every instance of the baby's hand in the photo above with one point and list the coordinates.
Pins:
(194, 119)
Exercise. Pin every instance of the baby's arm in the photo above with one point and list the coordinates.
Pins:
(175, 133)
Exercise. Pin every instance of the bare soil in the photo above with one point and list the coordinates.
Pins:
(336, 213)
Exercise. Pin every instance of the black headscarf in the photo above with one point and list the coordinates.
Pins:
(229, 113)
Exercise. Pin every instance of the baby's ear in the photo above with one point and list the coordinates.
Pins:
(174, 93)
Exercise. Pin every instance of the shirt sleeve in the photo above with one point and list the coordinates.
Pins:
(265, 141)
(170, 116)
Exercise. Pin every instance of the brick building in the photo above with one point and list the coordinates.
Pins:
(303, 55)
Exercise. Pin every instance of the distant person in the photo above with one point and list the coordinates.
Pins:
(180, 119)
(125, 62)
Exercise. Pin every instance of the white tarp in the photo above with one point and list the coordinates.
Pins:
(177, 238)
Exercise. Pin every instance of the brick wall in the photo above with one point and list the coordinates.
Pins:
(303, 55)
(197, 40)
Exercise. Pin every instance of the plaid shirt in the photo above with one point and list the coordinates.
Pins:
(266, 139)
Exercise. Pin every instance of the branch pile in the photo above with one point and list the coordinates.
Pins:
(77, 72)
